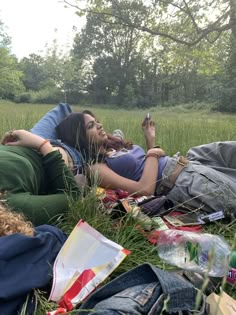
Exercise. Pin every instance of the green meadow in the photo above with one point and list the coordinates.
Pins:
(177, 129)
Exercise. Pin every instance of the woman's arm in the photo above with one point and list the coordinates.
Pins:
(145, 186)
(33, 141)
(27, 139)
(39, 209)
(64, 155)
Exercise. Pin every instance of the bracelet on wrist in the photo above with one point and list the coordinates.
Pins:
(157, 156)
(42, 144)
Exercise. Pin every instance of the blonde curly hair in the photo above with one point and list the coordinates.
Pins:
(14, 222)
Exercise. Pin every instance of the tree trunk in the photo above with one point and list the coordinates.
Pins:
(232, 57)
(233, 17)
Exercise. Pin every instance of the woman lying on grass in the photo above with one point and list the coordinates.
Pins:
(205, 179)
(27, 255)
(33, 177)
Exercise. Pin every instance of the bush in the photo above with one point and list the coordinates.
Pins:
(23, 98)
(48, 95)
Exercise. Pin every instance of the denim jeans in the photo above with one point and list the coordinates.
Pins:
(147, 290)
(45, 128)
(208, 182)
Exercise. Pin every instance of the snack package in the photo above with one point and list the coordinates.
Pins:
(86, 259)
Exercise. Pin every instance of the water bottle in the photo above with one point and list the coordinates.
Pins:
(199, 252)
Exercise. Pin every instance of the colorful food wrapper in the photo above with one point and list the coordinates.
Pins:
(231, 277)
(86, 259)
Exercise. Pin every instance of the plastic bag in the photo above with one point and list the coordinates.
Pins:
(86, 259)
(200, 252)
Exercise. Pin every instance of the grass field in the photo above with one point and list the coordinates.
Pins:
(177, 129)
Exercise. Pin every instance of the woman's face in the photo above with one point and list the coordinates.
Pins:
(94, 131)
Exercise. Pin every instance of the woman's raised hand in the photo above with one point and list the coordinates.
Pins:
(149, 130)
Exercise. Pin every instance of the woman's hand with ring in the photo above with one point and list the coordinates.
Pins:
(22, 138)
(8, 137)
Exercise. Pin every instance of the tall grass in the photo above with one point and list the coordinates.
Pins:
(177, 129)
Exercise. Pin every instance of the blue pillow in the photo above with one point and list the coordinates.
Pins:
(45, 127)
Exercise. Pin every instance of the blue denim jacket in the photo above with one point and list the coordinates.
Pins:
(145, 289)
(45, 128)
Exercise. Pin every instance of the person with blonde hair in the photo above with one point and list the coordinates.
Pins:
(13, 222)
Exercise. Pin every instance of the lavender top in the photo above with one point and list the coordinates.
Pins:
(130, 163)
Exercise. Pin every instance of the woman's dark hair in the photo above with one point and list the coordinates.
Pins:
(72, 131)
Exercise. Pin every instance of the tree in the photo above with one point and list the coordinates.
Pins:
(183, 64)
(111, 54)
(5, 40)
(35, 77)
(10, 75)
(183, 21)
(153, 70)
(227, 96)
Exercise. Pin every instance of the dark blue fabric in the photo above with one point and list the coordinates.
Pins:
(26, 263)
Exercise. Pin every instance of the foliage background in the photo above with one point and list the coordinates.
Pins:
(141, 53)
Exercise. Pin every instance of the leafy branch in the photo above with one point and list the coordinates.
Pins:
(116, 14)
